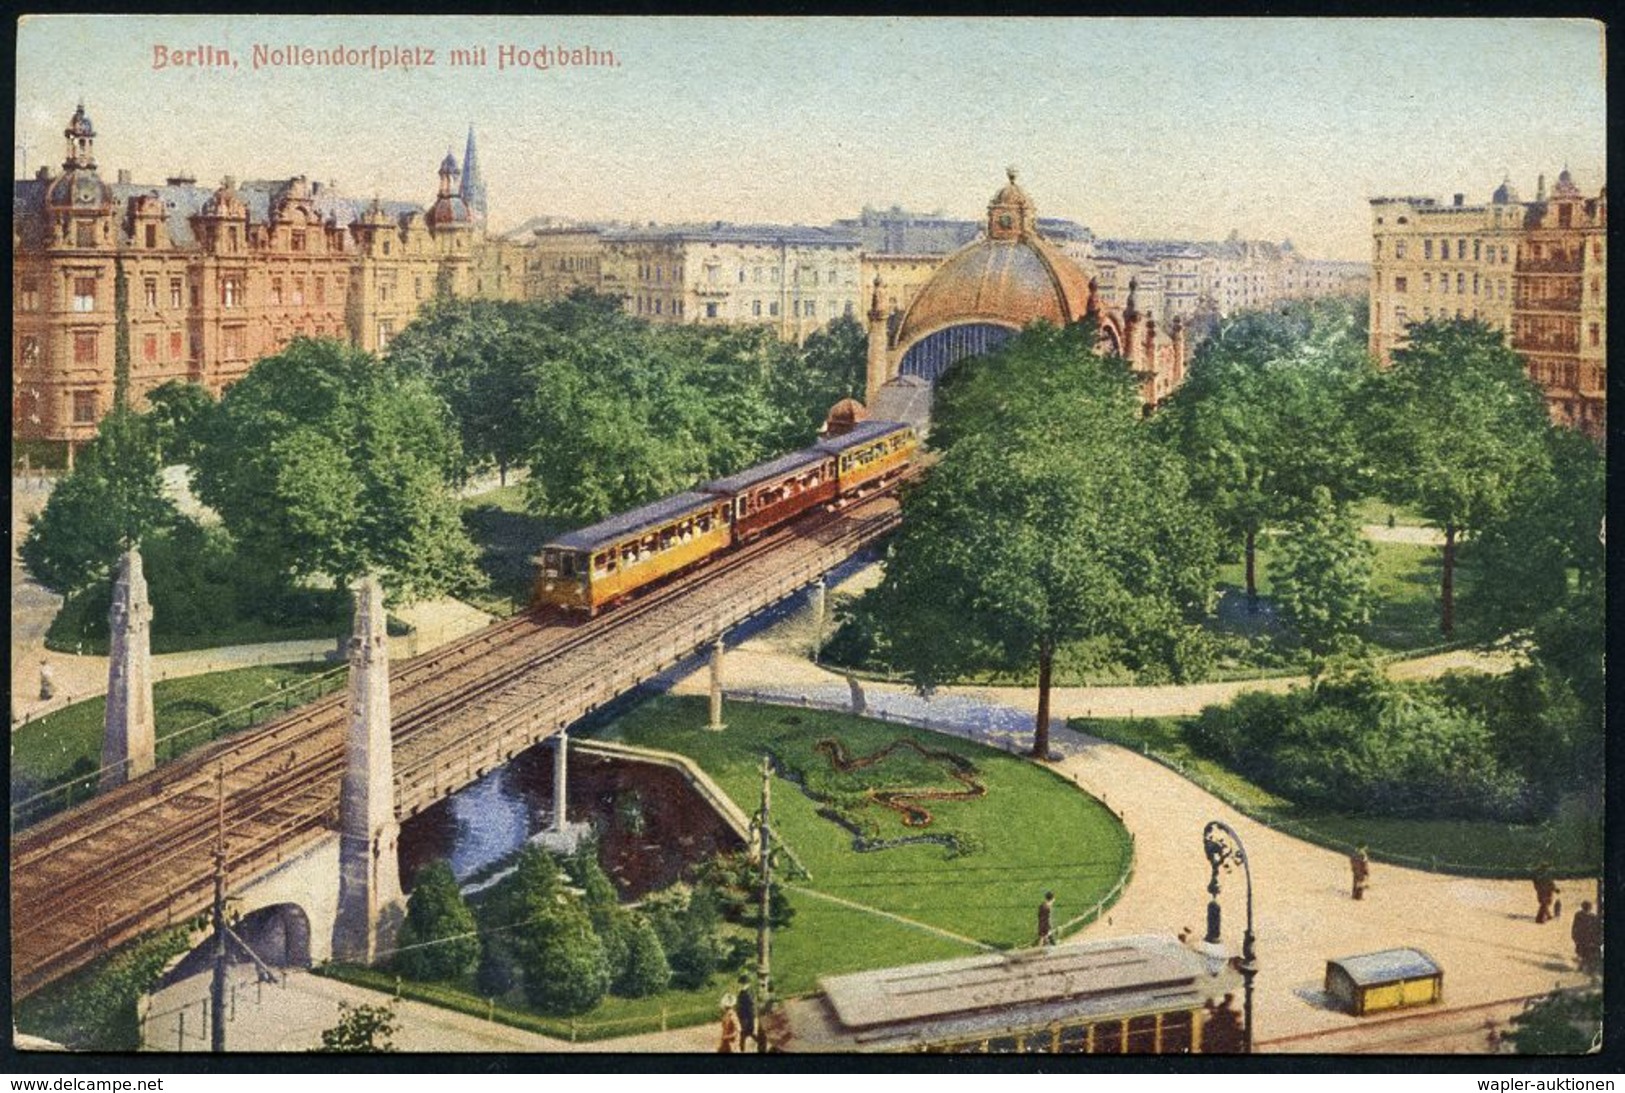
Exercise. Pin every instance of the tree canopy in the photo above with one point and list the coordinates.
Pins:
(1052, 516)
(1263, 417)
(608, 411)
(111, 501)
(1456, 426)
(323, 461)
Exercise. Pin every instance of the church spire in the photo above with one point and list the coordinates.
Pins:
(473, 187)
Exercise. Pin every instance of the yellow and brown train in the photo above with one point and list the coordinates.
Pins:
(595, 567)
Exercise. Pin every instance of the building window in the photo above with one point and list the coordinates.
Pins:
(386, 334)
(1501, 288)
(29, 350)
(85, 235)
(1399, 248)
(1476, 245)
(84, 294)
(1461, 284)
(710, 311)
(1427, 248)
(1475, 284)
(1461, 250)
(296, 241)
(84, 407)
(417, 287)
(1595, 331)
(321, 290)
(1444, 250)
(1427, 282)
(232, 338)
(848, 311)
(229, 290)
(175, 293)
(299, 292)
(1400, 284)
(28, 295)
(84, 347)
(149, 348)
(276, 290)
(756, 308)
(1399, 316)
(175, 345)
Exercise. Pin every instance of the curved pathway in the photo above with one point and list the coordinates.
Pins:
(1482, 932)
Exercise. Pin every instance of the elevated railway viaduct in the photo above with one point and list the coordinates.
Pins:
(143, 855)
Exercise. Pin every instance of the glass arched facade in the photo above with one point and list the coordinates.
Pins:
(932, 355)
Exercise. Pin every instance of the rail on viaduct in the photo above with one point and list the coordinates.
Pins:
(142, 856)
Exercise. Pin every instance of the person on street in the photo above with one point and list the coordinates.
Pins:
(730, 1026)
(1046, 913)
(1546, 891)
(1587, 935)
(1360, 867)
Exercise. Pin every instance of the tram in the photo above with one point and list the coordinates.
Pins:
(1124, 996)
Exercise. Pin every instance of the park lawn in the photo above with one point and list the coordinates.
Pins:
(508, 537)
(1476, 847)
(1374, 510)
(53, 749)
(1032, 831)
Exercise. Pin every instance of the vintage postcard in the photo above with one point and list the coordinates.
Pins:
(1027, 537)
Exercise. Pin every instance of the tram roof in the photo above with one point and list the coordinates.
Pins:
(861, 433)
(978, 996)
(643, 518)
(767, 471)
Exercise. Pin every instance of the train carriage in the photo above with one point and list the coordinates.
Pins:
(765, 496)
(872, 453)
(608, 561)
(1134, 995)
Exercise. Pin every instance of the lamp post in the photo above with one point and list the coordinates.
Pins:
(1223, 846)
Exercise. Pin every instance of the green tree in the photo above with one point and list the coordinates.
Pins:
(565, 967)
(111, 502)
(646, 971)
(1457, 426)
(1262, 420)
(1052, 517)
(322, 461)
(688, 926)
(180, 413)
(361, 1029)
(1545, 542)
(1323, 577)
(438, 940)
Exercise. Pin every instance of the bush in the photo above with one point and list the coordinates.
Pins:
(1358, 743)
(646, 970)
(438, 938)
(687, 926)
(566, 971)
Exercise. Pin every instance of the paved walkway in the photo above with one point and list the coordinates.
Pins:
(1481, 931)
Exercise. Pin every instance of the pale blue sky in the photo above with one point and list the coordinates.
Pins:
(1135, 127)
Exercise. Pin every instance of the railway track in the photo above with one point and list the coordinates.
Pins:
(142, 855)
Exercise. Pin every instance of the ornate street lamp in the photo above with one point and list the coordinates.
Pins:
(1223, 846)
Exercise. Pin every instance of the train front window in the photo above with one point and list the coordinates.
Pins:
(567, 564)
(1176, 1033)
(550, 563)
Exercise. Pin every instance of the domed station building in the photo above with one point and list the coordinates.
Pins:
(987, 291)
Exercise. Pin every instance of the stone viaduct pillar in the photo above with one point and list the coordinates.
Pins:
(716, 724)
(561, 781)
(370, 902)
(128, 736)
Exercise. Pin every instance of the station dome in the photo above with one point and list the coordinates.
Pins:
(1008, 278)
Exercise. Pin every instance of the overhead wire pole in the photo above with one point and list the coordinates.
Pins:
(764, 932)
(217, 990)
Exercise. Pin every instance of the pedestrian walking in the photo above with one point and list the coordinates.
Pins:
(730, 1026)
(1046, 920)
(1587, 935)
(1360, 867)
(1546, 891)
(745, 1008)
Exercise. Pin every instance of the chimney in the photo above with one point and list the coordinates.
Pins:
(1461, 199)
(123, 177)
